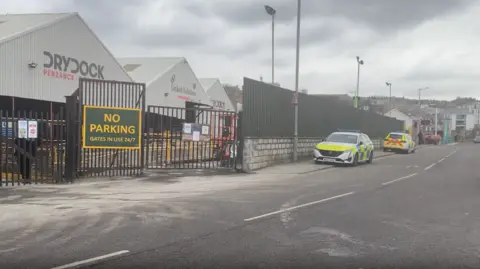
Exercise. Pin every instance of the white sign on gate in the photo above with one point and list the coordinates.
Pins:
(32, 129)
(22, 129)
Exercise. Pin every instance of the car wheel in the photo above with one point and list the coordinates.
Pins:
(370, 158)
(355, 160)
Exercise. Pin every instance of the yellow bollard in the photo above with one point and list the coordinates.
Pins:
(167, 150)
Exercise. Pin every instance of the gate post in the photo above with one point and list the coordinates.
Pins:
(72, 138)
(241, 144)
(142, 136)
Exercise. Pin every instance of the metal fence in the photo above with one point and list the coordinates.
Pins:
(167, 147)
(104, 161)
(268, 111)
(36, 154)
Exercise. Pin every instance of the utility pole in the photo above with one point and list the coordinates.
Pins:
(297, 63)
(436, 120)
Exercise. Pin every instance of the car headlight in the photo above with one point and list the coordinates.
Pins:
(348, 152)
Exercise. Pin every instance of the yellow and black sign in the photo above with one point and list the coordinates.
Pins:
(111, 127)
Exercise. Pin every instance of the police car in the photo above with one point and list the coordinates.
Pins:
(344, 147)
(399, 142)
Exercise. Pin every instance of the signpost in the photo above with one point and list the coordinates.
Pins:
(111, 128)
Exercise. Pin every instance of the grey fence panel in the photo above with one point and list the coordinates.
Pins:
(269, 112)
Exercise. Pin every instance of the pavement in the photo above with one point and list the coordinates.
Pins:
(403, 211)
(308, 166)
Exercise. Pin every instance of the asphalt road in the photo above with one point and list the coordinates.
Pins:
(403, 211)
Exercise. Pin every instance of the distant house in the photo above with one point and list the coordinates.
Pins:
(410, 122)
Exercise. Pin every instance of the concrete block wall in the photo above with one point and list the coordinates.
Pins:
(262, 152)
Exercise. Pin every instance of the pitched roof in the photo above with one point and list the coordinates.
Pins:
(207, 83)
(148, 69)
(13, 25)
(216, 91)
(413, 111)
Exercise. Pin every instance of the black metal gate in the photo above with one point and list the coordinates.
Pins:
(169, 146)
(35, 157)
(103, 161)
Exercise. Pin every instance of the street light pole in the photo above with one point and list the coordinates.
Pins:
(420, 94)
(271, 11)
(359, 62)
(390, 98)
(297, 64)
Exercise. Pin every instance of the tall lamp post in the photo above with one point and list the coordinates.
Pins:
(271, 11)
(297, 63)
(359, 62)
(389, 85)
(420, 95)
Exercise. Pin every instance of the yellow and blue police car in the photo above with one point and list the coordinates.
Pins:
(344, 147)
(399, 142)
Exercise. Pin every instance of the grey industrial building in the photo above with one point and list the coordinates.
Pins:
(42, 56)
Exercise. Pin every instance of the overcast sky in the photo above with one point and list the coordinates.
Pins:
(412, 43)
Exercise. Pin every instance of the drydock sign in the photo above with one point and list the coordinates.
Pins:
(111, 127)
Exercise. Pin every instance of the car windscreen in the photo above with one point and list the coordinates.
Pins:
(342, 138)
(395, 136)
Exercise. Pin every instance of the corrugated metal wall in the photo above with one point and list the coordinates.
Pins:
(268, 112)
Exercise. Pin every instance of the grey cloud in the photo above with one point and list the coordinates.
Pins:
(380, 15)
(236, 51)
(321, 32)
(170, 38)
(115, 21)
(280, 62)
(110, 19)
(438, 75)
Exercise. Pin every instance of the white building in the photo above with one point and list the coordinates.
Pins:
(218, 96)
(462, 120)
(170, 82)
(42, 56)
(474, 109)
(408, 121)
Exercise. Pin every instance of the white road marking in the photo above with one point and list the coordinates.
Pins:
(92, 260)
(299, 206)
(398, 179)
(430, 166)
(441, 160)
(450, 154)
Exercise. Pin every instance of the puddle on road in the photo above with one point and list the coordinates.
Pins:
(338, 252)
